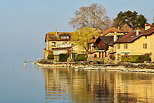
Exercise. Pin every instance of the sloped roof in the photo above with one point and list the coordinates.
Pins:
(131, 37)
(107, 40)
(55, 35)
(126, 28)
(112, 30)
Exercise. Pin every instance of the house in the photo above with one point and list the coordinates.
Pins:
(136, 43)
(60, 43)
(104, 46)
(57, 43)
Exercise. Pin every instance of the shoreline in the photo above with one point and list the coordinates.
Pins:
(99, 67)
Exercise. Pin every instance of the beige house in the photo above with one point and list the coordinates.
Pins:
(57, 43)
(136, 43)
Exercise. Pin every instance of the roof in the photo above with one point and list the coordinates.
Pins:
(55, 36)
(107, 40)
(112, 30)
(131, 37)
(126, 28)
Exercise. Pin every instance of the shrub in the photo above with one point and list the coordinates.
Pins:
(63, 57)
(50, 56)
(80, 57)
(135, 58)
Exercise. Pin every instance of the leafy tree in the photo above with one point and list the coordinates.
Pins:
(132, 19)
(93, 16)
(83, 36)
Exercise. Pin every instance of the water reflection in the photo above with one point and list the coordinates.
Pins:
(97, 86)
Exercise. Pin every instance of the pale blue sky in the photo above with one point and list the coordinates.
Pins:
(24, 23)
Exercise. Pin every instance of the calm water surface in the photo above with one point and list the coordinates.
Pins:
(32, 84)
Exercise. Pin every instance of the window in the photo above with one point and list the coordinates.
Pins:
(125, 46)
(64, 37)
(144, 45)
(145, 37)
(53, 44)
(118, 46)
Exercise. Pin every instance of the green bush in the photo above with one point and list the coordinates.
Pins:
(63, 57)
(135, 58)
(50, 56)
(80, 57)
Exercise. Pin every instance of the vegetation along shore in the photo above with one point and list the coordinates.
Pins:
(124, 66)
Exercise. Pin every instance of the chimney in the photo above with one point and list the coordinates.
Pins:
(137, 31)
(147, 26)
(115, 37)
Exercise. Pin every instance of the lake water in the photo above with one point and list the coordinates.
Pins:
(31, 84)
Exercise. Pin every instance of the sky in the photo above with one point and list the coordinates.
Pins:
(24, 23)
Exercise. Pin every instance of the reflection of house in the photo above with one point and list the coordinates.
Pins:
(57, 43)
(137, 43)
(69, 85)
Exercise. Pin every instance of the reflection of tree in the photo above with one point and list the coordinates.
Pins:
(69, 85)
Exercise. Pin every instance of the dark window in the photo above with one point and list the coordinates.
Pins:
(144, 45)
(95, 55)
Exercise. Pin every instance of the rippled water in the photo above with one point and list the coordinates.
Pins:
(97, 86)
(28, 83)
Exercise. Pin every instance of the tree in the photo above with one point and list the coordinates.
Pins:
(83, 36)
(132, 19)
(93, 16)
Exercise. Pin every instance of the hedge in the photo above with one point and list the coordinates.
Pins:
(135, 58)
(80, 57)
(50, 56)
(63, 57)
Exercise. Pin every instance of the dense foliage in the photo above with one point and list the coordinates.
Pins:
(63, 57)
(135, 58)
(132, 19)
(83, 36)
(80, 57)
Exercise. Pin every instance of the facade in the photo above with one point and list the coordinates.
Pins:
(136, 43)
(57, 43)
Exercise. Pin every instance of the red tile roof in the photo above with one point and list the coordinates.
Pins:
(131, 37)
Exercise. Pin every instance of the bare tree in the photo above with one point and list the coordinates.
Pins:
(93, 16)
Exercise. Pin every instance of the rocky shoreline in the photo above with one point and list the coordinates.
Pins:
(126, 67)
